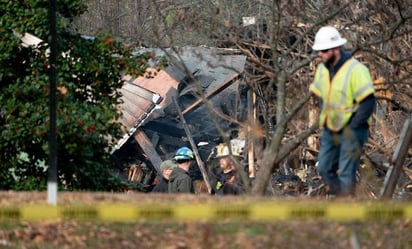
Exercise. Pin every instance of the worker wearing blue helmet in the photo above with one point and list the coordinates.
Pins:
(180, 180)
(184, 153)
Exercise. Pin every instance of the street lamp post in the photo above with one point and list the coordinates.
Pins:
(52, 170)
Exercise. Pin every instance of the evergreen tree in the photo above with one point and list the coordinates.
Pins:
(88, 83)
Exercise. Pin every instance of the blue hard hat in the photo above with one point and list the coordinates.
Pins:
(184, 153)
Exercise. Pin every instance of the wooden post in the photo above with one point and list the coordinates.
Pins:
(405, 140)
(313, 115)
(194, 148)
(251, 106)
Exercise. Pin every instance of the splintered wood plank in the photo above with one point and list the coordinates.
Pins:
(398, 159)
(148, 149)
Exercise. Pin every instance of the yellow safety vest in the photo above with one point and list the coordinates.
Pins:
(351, 84)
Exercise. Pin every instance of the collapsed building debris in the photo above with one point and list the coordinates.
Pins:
(153, 130)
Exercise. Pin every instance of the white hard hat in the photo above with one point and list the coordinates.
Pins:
(328, 37)
(222, 150)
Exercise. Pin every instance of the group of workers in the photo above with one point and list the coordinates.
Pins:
(345, 89)
(176, 177)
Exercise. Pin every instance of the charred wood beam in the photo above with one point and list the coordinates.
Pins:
(148, 149)
(213, 92)
(397, 160)
(194, 148)
(165, 140)
(170, 129)
(155, 139)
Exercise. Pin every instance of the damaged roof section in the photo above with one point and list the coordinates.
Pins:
(149, 107)
(137, 105)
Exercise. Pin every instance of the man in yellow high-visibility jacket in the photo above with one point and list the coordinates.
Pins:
(345, 88)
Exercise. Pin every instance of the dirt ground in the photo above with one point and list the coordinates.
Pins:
(77, 234)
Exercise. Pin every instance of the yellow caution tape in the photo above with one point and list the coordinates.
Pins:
(266, 211)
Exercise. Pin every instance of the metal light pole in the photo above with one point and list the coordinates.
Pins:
(52, 170)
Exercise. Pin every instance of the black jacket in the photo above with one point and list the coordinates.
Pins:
(161, 187)
(229, 184)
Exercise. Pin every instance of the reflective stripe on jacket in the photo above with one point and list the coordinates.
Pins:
(351, 84)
